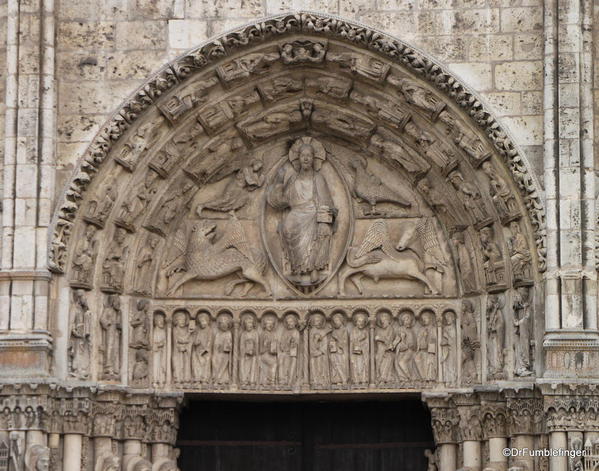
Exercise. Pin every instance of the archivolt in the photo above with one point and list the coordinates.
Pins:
(161, 118)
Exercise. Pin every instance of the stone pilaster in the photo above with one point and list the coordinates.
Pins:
(571, 342)
(28, 189)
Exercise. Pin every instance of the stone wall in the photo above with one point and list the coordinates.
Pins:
(104, 51)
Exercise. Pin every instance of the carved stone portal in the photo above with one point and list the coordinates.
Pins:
(305, 215)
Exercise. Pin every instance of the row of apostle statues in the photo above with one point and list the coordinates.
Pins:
(336, 351)
(358, 348)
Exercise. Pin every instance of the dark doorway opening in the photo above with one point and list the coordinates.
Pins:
(304, 436)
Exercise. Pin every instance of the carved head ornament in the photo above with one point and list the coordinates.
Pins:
(303, 146)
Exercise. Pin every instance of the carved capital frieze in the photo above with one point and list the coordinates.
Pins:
(571, 413)
(493, 420)
(444, 419)
(525, 415)
(105, 418)
(163, 424)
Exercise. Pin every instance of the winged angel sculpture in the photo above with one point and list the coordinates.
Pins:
(377, 258)
(198, 253)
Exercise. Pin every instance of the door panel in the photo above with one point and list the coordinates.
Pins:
(298, 436)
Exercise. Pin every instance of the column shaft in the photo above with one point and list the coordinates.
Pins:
(558, 441)
(448, 457)
(72, 452)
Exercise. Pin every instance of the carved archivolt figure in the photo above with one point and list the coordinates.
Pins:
(113, 268)
(201, 357)
(80, 338)
(37, 458)
(470, 344)
(307, 225)
(469, 196)
(438, 202)
(145, 266)
(405, 342)
(464, 261)
(85, 257)
(100, 207)
(248, 351)
(492, 257)
(496, 336)
(520, 255)
(140, 368)
(181, 356)
(238, 190)
(110, 323)
(303, 51)
(107, 462)
(159, 349)
(132, 208)
(426, 354)
(393, 151)
(449, 348)
(171, 206)
(339, 350)
(318, 348)
(385, 341)
(289, 348)
(140, 327)
(268, 350)
(522, 330)
(360, 350)
(500, 191)
(222, 350)
(419, 96)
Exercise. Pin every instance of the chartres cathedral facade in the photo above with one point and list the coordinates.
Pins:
(298, 235)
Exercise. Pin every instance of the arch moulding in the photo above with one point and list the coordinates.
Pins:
(300, 205)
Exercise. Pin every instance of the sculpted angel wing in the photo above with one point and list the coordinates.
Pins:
(235, 237)
(175, 259)
(376, 238)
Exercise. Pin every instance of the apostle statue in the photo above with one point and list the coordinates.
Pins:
(308, 222)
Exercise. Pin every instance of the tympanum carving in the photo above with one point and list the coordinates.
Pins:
(247, 193)
(307, 224)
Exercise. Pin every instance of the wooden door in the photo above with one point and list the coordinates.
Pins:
(304, 436)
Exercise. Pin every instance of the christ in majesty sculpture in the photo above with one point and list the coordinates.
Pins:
(308, 223)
